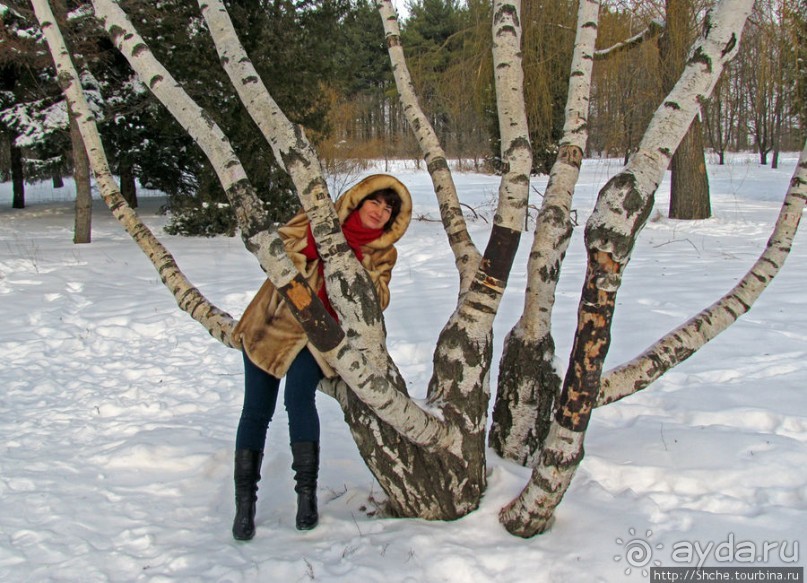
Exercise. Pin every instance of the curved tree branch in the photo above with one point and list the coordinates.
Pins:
(466, 255)
(679, 344)
(296, 154)
(189, 299)
(371, 383)
(654, 29)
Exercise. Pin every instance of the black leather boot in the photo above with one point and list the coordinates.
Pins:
(247, 474)
(305, 456)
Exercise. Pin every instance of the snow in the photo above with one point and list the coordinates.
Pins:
(118, 412)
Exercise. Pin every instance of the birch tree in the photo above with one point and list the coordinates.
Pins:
(429, 457)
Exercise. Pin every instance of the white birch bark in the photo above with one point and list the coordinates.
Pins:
(679, 344)
(256, 230)
(516, 150)
(466, 255)
(189, 299)
(621, 211)
(528, 381)
(460, 379)
(371, 383)
(295, 153)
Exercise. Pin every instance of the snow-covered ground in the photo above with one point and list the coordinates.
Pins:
(118, 412)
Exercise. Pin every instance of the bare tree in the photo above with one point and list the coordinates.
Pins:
(82, 231)
(721, 114)
(689, 187)
(430, 458)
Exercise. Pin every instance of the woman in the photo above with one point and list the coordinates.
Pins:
(374, 214)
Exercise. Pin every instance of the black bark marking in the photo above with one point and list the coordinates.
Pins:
(570, 154)
(729, 46)
(437, 164)
(508, 10)
(527, 388)
(139, 49)
(64, 79)
(623, 189)
(699, 56)
(508, 29)
(633, 202)
(500, 253)
(519, 144)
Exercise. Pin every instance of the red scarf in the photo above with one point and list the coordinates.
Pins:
(357, 236)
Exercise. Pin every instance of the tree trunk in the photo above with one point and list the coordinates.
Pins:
(465, 252)
(128, 188)
(528, 381)
(449, 482)
(17, 178)
(622, 209)
(689, 192)
(82, 232)
(777, 128)
(58, 181)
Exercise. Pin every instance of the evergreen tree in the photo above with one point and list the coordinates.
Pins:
(275, 33)
(29, 100)
(431, 41)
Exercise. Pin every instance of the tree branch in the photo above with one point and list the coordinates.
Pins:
(622, 209)
(526, 391)
(679, 344)
(466, 255)
(295, 154)
(654, 29)
(189, 299)
(469, 330)
(371, 383)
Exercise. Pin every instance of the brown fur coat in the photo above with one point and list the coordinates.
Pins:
(267, 331)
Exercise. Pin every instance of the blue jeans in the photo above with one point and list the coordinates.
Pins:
(260, 398)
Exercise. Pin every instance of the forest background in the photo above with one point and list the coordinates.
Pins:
(326, 64)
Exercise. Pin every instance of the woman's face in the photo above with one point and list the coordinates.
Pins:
(374, 213)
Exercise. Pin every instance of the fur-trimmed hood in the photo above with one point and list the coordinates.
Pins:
(267, 331)
(348, 202)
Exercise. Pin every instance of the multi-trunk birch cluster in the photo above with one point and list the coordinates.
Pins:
(429, 458)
